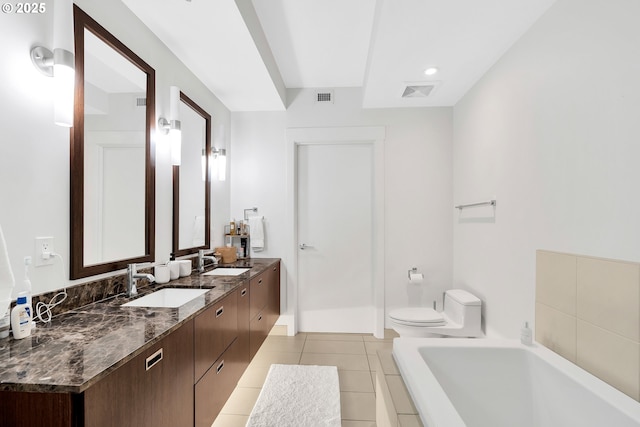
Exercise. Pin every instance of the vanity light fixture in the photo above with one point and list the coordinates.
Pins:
(220, 159)
(60, 64)
(431, 71)
(172, 127)
(204, 164)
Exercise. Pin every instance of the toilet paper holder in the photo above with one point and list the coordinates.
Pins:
(414, 276)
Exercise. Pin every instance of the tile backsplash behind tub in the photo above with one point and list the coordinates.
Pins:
(588, 311)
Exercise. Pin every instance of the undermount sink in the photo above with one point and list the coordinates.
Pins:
(167, 298)
(225, 271)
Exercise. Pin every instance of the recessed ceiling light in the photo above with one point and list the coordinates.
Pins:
(431, 71)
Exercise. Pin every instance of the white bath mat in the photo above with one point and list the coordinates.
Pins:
(298, 395)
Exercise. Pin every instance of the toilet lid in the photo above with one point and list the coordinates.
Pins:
(418, 315)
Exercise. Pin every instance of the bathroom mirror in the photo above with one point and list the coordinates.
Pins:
(192, 181)
(112, 155)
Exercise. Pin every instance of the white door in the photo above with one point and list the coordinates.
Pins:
(335, 238)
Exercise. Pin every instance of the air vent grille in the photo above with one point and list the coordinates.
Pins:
(325, 96)
(141, 102)
(418, 91)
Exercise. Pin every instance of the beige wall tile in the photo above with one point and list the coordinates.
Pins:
(609, 295)
(610, 357)
(556, 331)
(556, 281)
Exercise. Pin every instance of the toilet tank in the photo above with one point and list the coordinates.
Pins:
(462, 307)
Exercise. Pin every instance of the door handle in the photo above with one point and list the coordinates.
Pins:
(304, 246)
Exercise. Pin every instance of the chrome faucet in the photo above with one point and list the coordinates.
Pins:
(132, 279)
(202, 257)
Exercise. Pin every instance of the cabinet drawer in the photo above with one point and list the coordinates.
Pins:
(153, 389)
(215, 329)
(258, 331)
(274, 294)
(259, 293)
(215, 387)
(244, 294)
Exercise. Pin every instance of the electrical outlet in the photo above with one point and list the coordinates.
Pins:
(44, 248)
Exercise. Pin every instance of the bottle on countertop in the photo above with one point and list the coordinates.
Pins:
(27, 288)
(21, 318)
(526, 336)
(232, 228)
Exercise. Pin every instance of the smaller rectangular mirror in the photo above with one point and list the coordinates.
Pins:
(192, 181)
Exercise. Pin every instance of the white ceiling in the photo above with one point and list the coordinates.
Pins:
(249, 51)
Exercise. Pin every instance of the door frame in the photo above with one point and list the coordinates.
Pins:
(296, 137)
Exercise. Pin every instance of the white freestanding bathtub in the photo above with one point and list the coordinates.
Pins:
(500, 383)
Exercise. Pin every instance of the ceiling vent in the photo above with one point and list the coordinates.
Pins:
(141, 102)
(324, 97)
(419, 90)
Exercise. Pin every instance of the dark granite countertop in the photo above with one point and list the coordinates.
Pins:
(83, 345)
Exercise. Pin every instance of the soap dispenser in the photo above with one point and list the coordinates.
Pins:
(526, 337)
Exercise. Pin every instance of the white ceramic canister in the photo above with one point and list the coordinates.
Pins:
(174, 268)
(162, 273)
(185, 267)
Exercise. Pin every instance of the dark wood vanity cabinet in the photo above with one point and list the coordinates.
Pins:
(182, 380)
(153, 389)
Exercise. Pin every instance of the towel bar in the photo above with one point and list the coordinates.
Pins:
(471, 205)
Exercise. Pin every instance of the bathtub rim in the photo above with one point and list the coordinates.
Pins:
(435, 408)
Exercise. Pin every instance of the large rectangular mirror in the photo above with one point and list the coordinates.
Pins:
(112, 155)
(192, 181)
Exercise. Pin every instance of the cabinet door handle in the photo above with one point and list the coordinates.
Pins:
(275, 268)
(260, 318)
(219, 311)
(153, 360)
(220, 366)
(244, 292)
(259, 281)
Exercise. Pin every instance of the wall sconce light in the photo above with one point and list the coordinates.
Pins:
(171, 127)
(60, 64)
(204, 164)
(220, 159)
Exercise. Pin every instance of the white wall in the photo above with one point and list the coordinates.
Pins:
(34, 153)
(553, 131)
(418, 183)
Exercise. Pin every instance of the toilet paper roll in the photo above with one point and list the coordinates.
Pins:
(185, 267)
(162, 273)
(416, 278)
(174, 268)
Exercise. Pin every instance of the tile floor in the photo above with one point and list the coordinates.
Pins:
(353, 354)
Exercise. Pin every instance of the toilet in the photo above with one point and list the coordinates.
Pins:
(461, 317)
